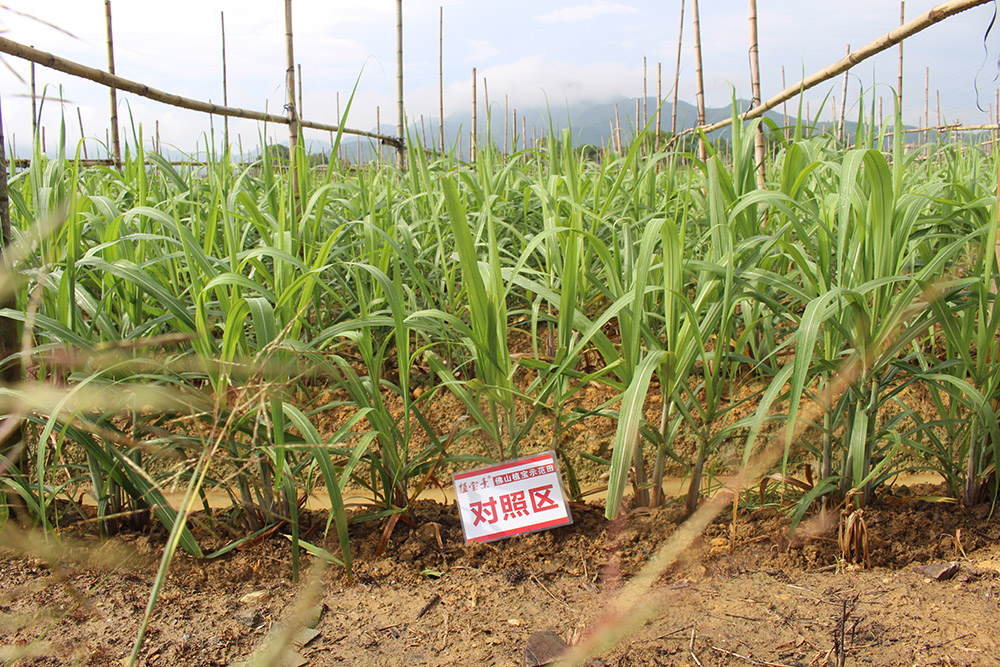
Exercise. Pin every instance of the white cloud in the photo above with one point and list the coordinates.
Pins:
(479, 49)
(577, 13)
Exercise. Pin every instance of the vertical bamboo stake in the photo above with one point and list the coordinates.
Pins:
(486, 101)
(677, 74)
(114, 97)
(400, 154)
(524, 130)
(157, 138)
(618, 131)
(938, 93)
(513, 130)
(755, 87)
(645, 108)
(506, 120)
(489, 114)
(378, 124)
(34, 105)
(659, 101)
(441, 75)
(340, 122)
(612, 138)
(299, 109)
(83, 137)
(899, 86)
(927, 103)
(638, 119)
(225, 86)
(10, 371)
(293, 119)
(473, 136)
(843, 104)
(702, 150)
(784, 105)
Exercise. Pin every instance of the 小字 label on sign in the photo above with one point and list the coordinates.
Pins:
(510, 498)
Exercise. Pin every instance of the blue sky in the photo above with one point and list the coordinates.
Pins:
(532, 52)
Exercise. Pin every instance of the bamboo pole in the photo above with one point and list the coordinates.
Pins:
(225, 85)
(843, 103)
(83, 137)
(927, 101)
(645, 107)
(441, 75)
(755, 86)
(659, 101)
(293, 124)
(638, 119)
(299, 109)
(34, 105)
(116, 146)
(886, 41)
(513, 130)
(45, 59)
(400, 117)
(473, 139)
(784, 106)
(618, 130)
(378, 125)
(506, 120)
(702, 150)
(677, 74)
(899, 86)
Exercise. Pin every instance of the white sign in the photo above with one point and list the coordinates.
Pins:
(510, 498)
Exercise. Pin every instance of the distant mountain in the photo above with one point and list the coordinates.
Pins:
(591, 123)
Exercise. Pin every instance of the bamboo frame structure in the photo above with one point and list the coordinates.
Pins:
(886, 41)
(50, 61)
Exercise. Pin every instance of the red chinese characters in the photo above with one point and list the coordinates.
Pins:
(511, 498)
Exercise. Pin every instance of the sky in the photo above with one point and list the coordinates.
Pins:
(535, 53)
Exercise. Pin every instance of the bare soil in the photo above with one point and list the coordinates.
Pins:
(763, 600)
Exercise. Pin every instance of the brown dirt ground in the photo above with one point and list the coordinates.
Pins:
(767, 600)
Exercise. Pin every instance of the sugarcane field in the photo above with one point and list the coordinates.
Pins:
(541, 355)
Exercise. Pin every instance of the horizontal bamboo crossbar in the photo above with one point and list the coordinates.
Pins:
(46, 59)
(891, 38)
